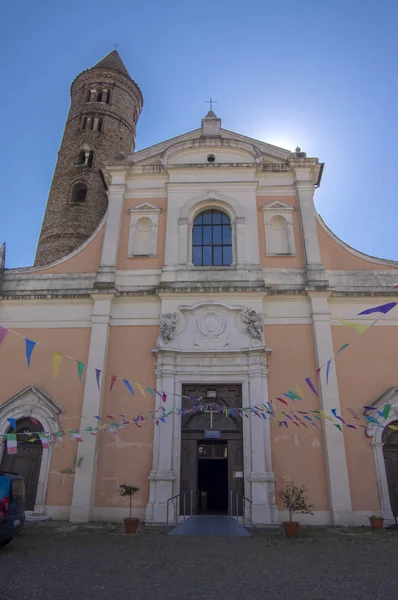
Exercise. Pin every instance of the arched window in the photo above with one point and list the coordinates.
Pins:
(212, 239)
(79, 193)
(83, 123)
(85, 158)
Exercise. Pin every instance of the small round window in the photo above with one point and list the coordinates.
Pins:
(211, 158)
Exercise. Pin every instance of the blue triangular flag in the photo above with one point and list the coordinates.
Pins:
(128, 386)
(13, 423)
(29, 345)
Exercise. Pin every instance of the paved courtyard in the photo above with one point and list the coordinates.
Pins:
(59, 561)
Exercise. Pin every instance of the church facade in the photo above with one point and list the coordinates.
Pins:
(189, 308)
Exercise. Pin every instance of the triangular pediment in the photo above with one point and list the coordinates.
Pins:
(260, 151)
(145, 207)
(278, 206)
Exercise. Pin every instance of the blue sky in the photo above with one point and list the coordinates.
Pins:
(321, 75)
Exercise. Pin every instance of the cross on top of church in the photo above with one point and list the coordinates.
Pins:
(116, 45)
(211, 102)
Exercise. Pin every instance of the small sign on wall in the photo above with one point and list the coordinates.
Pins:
(238, 474)
(212, 435)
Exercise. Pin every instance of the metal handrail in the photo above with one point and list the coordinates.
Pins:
(237, 496)
(177, 505)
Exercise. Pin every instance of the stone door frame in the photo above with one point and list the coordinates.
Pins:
(247, 367)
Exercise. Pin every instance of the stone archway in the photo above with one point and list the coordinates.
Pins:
(390, 452)
(27, 461)
(380, 434)
(31, 403)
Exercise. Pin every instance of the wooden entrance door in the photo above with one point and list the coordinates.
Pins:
(27, 461)
(390, 451)
(193, 427)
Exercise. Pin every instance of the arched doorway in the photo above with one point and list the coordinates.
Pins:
(27, 461)
(212, 448)
(390, 452)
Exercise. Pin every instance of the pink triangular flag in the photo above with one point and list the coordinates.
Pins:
(113, 380)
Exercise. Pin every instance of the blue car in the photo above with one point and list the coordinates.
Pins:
(12, 506)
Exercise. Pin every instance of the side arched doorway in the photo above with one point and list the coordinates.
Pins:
(27, 461)
(390, 452)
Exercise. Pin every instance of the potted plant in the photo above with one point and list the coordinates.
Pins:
(130, 523)
(376, 522)
(295, 501)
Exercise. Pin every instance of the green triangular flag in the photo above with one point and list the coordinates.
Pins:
(343, 347)
(80, 369)
(338, 426)
(386, 410)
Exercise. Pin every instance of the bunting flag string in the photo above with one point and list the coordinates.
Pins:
(145, 390)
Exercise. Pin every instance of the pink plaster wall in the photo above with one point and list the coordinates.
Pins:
(155, 262)
(365, 371)
(127, 457)
(86, 261)
(66, 390)
(338, 258)
(296, 452)
(280, 262)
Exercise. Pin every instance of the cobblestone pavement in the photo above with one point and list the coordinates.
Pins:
(60, 561)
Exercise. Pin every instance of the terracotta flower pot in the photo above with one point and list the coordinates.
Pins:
(376, 522)
(131, 525)
(291, 528)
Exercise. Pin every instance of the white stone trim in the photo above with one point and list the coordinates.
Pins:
(31, 402)
(199, 203)
(278, 209)
(136, 213)
(87, 453)
(226, 363)
(335, 454)
(375, 432)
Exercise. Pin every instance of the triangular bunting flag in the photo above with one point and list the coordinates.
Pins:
(57, 360)
(44, 439)
(29, 345)
(310, 385)
(360, 327)
(113, 381)
(338, 426)
(97, 376)
(13, 423)
(328, 369)
(151, 391)
(80, 369)
(386, 411)
(343, 347)
(384, 308)
(128, 386)
(141, 388)
(3, 333)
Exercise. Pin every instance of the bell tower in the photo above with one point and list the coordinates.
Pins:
(101, 124)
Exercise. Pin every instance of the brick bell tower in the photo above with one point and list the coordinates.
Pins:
(102, 119)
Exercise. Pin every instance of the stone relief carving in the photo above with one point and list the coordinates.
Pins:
(168, 323)
(254, 323)
(211, 326)
(212, 330)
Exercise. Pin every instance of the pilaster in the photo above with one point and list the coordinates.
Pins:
(305, 187)
(86, 463)
(106, 275)
(335, 454)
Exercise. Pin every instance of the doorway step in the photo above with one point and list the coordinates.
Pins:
(210, 525)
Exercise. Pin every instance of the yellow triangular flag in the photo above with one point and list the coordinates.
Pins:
(141, 388)
(360, 327)
(57, 363)
(324, 416)
(299, 392)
